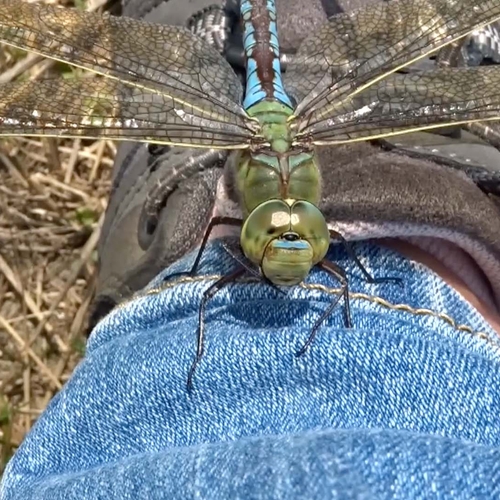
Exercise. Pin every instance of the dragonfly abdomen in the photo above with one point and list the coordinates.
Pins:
(260, 40)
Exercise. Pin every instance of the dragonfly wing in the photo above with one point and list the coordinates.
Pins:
(358, 48)
(412, 102)
(165, 59)
(102, 107)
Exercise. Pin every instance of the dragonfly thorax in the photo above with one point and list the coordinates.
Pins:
(285, 238)
(262, 177)
(273, 118)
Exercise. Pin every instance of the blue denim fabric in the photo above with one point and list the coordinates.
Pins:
(404, 405)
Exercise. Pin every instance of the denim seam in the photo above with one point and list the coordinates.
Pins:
(328, 290)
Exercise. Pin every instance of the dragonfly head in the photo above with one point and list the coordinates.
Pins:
(285, 238)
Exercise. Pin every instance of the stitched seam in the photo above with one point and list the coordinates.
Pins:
(330, 291)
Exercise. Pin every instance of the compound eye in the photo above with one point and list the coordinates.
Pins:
(309, 223)
(267, 222)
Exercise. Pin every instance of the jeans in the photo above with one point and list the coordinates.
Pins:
(406, 404)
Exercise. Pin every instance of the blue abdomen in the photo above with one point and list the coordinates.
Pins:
(260, 40)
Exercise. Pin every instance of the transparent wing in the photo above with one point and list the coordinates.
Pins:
(355, 49)
(101, 107)
(408, 103)
(163, 59)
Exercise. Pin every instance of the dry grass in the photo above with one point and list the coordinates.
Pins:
(52, 198)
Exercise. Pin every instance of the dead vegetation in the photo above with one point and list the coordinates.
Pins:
(53, 194)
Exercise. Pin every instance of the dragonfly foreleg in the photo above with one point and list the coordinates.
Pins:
(207, 295)
(352, 254)
(340, 275)
(236, 253)
(239, 257)
(214, 222)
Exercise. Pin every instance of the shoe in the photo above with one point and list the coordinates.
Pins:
(439, 191)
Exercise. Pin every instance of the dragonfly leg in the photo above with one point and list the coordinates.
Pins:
(214, 222)
(252, 270)
(340, 275)
(352, 254)
(238, 257)
(207, 295)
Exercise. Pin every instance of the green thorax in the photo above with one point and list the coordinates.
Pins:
(273, 117)
(279, 172)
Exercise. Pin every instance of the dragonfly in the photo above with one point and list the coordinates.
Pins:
(163, 85)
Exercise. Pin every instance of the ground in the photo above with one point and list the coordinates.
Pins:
(53, 194)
